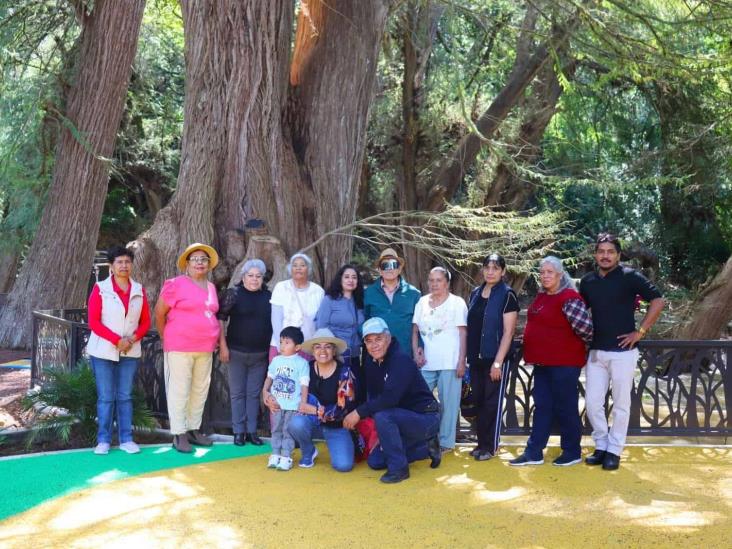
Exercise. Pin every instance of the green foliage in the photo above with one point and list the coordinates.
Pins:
(36, 42)
(72, 395)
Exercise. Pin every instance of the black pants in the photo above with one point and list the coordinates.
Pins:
(488, 397)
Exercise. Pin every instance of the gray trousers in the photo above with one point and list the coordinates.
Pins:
(282, 442)
(246, 378)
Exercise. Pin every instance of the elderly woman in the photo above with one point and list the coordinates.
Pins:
(119, 317)
(246, 306)
(558, 326)
(330, 398)
(441, 319)
(185, 315)
(341, 311)
(295, 301)
(492, 316)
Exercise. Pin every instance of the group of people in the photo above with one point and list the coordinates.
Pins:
(332, 363)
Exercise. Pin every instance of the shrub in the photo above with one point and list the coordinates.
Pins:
(68, 400)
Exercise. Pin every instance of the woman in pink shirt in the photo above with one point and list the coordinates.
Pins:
(185, 315)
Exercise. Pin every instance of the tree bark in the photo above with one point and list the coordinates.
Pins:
(9, 263)
(254, 147)
(56, 272)
(328, 111)
(712, 311)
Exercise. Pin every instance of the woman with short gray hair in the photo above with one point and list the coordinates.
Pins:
(556, 337)
(295, 302)
(246, 306)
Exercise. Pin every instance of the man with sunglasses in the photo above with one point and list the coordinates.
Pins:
(392, 298)
(610, 294)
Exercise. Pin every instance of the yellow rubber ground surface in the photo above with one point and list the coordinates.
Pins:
(660, 497)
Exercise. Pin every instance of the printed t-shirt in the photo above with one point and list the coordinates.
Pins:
(439, 330)
(288, 374)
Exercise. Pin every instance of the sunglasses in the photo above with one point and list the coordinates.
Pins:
(199, 259)
(389, 265)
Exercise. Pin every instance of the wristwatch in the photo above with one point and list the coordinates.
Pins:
(497, 365)
(642, 331)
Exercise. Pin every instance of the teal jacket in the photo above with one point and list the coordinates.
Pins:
(398, 313)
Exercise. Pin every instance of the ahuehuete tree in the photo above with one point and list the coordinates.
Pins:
(56, 271)
(271, 131)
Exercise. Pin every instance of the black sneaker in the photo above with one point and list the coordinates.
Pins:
(523, 459)
(393, 477)
(483, 455)
(565, 461)
(597, 457)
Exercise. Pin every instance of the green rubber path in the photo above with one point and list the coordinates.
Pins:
(33, 479)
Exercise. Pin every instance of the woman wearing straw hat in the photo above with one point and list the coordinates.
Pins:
(330, 397)
(185, 315)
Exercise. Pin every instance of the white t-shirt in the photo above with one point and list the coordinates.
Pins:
(439, 330)
(286, 296)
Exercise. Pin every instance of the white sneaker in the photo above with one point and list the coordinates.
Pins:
(285, 464)
(102, 449)
(274, 461)
(130, 447)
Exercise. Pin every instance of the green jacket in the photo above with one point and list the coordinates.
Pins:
(398, 313)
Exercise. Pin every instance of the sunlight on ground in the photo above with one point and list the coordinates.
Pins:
(660, 496)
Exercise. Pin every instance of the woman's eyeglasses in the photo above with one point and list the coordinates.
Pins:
(199, 259)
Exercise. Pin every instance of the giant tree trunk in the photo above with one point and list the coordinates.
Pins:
(712, 311)
(236, 57)
(254, 147)
(56, 272)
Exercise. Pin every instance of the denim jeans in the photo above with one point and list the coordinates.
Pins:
(340, 444)
(403, 436)
(114, 389)
(555, 396)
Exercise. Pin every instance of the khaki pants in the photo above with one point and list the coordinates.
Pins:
(187, 378)
(615, 369)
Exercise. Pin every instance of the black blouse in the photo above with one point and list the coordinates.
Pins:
(250, 319)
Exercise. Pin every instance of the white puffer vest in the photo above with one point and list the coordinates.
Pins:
(113, 317)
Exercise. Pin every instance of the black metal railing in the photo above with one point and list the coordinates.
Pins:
(682, 388)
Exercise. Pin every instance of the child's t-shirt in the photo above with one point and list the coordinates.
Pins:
(288, 374)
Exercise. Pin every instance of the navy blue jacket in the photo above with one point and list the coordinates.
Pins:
(395, 382)
(492, 329)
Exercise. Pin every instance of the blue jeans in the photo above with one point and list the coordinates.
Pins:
(114, 389)
(403, 436)
(555, 397)
(340, 444)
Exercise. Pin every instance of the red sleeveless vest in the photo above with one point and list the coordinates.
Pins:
(548, 337)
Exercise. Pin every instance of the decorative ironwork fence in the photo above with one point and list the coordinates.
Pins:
(682, 388)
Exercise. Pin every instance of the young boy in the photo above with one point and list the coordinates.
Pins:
(288, 377)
